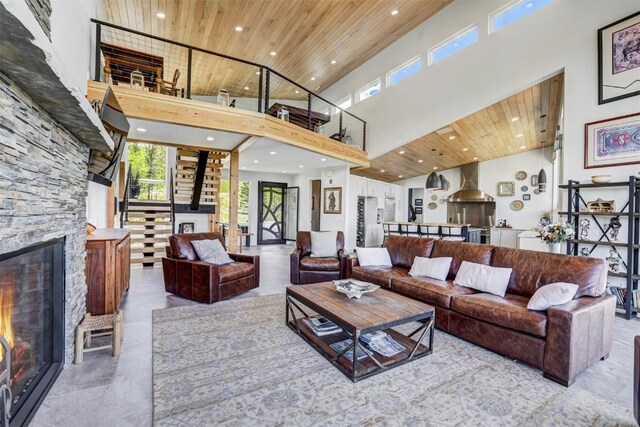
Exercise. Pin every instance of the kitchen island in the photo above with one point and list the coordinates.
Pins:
(436, 230)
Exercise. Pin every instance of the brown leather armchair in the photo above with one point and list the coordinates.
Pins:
(305, 269)
(636, 381)
(186, 276)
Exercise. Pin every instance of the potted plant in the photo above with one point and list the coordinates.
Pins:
(555, 233)
(135, 185)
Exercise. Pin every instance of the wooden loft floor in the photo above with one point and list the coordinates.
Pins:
(152, 106)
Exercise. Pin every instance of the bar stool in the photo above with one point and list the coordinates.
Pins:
(97, 326)
(430, 231)
(454, 234)
(394, 229)
(410, 230)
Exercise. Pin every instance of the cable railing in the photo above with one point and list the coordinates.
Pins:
(151, 63)
(124, 212)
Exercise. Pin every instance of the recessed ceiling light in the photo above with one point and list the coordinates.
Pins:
(475, 158)
(435, 168)
(515, 119)
(284, 171)
(273, 53)
(246, 88)
(394, 12)
(273, 153)
(256, 161)
(420, 161)
(244, 167)
(301, 166)
(519, 135)
(323, 159)
(257, 73)
(382, 171)
(239, 28)
(160, 15)
(452, 137)
(313, 79)
(522, 147)
(297, 91)
(210, 138)
(333, 62)
(399, 176)
(401, 152)
(141, 130)
(465, 149)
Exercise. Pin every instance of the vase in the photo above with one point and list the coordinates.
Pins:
(554, 248)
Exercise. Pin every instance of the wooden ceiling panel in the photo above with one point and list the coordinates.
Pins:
(306, 34)
(487, 134)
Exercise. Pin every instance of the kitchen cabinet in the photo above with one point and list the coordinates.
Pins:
(506, 237)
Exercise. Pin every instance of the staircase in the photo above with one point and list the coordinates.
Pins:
(186, 168)
(150, 225)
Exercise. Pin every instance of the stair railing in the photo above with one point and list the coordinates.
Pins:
(172, 201)
(124, 213)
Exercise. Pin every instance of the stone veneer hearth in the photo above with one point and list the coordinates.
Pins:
(43, 190)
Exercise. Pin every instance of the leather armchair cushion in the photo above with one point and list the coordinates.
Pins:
(234, 271)
(308, 263)
(532, 269)
(403, 249)
(303, 242)
(510, 312)
(472, 252)
(379, 275)
(432, 291)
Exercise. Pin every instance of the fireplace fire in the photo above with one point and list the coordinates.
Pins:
(31, 307)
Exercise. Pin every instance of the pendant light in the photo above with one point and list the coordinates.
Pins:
(542, 175)
(433, 182)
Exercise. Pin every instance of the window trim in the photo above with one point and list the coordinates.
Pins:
(335, 110)
(372, 83)
(448, 40)
(400, 67)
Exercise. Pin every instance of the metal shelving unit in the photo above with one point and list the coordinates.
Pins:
(631, 212)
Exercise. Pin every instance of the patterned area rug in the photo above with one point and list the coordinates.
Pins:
(235, 363)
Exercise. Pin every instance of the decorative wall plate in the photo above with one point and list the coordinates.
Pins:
(516, 205)
(432, 206)
(434, 197)
(536, 191)
(534, 180)
(521, 175)
(524, 188)
(506, 189)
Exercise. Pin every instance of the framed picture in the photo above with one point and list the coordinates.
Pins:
(506, 189)
(526, 197)
(534, 180)
(418, 211)
(333, 200)
(186, 227)
(612, 142)
(418, 202)
(619, 59)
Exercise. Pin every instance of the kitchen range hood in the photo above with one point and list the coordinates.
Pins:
(470, 205)
(469, 192)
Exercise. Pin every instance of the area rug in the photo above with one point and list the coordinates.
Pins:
(235, 363)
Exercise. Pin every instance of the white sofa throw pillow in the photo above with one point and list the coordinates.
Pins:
(323, 244)
(552, 294)
(370, 257)
(211, 251)
(485, 278)
(436, 268)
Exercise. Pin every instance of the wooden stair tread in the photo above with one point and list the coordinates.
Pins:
(146, 260)
(147, 223)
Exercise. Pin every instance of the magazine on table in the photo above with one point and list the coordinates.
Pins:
(354, 288)
(382, 343)
(321, 326)
(341, 345)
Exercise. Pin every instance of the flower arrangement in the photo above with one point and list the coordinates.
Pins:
(556, 232)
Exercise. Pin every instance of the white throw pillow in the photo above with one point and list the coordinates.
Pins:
(370, 257)
(436, 268)
(552, 294)
(485, 278)
(323, 244)
(211, 251)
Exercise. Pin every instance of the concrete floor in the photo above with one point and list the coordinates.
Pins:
(105, 391)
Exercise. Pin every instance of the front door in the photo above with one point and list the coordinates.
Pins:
(271, 197)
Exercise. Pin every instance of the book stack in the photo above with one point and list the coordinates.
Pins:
(321, 326)
(622, 294)
(341, 345)
(382, 343)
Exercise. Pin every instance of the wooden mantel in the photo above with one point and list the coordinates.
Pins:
(152, 106)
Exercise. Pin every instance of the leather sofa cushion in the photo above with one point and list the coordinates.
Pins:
(532, 269)
(379, 275)
(403, 249)
(510, 312)
(182, 248)
(234, 271)
(303, 242)
(429, 290)
(319, 264)
(472, 252)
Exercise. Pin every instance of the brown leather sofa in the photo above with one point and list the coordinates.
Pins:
(636, 381)
(306, 269)
(186, 276)
(562, 342)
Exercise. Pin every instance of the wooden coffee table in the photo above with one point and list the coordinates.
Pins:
(375, 311)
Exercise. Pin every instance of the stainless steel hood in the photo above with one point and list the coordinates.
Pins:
(469, 192)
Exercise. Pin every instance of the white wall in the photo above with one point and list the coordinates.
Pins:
(303, 181)
(339, 178)
(440, 213)
(560, 36)
(97, 205)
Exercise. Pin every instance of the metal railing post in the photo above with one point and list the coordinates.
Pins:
(266, 91)
(96, 71)
(189, 58)
(340, 126)
(260, 90)
(309, 111)
(364, 136)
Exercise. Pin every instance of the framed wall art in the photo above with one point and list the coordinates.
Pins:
(418, 211)
(333, 200)
(506, 188)
(186, 227)
(418, 202)
(612, 142)
(619, 59)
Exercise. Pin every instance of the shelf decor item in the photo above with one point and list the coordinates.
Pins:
(585, 224)
(601, 179)
(614, 226)
(612, 142)
(223, 98)
(137, 79)
(186, 227)
(555, 233)
(619, 59)
(613, 261)
(601, 206)
(333, 200)
(506, 189)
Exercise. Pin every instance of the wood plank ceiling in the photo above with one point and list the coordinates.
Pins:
(307, 35)
(522, 122)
